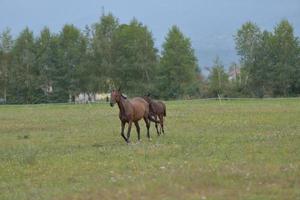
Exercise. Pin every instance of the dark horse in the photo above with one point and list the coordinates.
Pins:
(157, 109)
(131, 111)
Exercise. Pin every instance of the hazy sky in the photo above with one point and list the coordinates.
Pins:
(210, 24)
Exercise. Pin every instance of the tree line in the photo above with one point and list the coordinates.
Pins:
(269, 64)
(55, 67)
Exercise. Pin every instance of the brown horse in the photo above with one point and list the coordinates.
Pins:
(131, 111)
(157, 109)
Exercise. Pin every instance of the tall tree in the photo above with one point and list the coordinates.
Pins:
(178, 66)
(87, 78)
(102, 52)
(24, 85)
(248, 45)
(6, 44)
(286, 55)
(135, 58)
(45, 62)
(72, 49)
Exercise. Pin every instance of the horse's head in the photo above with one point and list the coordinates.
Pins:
(115, 97)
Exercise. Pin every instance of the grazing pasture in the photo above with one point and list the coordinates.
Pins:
(238, 149)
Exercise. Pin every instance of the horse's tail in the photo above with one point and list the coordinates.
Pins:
(165, 110)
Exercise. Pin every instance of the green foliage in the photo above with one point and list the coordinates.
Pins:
(6, 44)
(45, 62)
(218, 80)
(24, 74)
(286, 54)
(134, 58)
(178, 66)
(248, 45)
(102, 64)
(71, 53)
(57, 67)
(271, 60)
(248, 40)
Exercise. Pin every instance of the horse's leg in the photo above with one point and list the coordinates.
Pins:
(137, 130)
(128, 131)
(161, 120)
(148, 126)
(158, 133)
(122, 130)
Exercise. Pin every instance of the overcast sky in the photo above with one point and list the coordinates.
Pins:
(210, 24)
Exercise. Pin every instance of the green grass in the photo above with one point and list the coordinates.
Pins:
(230, 150)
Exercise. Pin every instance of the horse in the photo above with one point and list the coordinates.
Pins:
(157, 109)
(131, 111)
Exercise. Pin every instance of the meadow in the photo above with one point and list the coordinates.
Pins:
(236, 149)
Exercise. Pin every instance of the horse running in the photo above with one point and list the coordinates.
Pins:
(157, 109)
(131, 111)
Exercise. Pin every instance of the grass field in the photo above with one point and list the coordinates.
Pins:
(239, 149)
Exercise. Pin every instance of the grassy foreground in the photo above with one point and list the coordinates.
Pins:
(211, 150)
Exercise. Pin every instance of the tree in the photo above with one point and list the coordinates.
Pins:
(102, 52)
(23, 83)
(248, 40)
(286, 56)
(178, 66)
(6, 44)
(87, 77)
(218, 79)
(249, 45)
(135, 58)
(71, 46)
(45, 61)
(270, 59)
